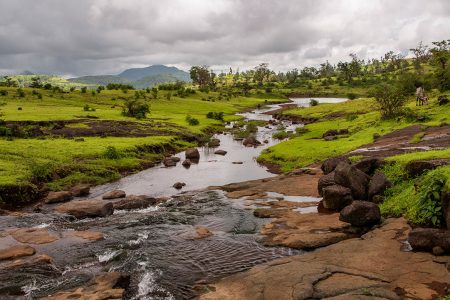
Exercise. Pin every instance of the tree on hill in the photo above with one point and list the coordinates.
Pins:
(262, 73)
(440, 59)
(202, 76)
(36, 83)
(421, 53)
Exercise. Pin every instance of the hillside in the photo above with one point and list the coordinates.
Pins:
(138, 77)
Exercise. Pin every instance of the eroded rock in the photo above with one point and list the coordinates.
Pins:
(135, 202)
(192, 153)
(377, 185)
(361, 213)
(354, 179)
(330, 164)
(33, 235)
(115, 194)
(81, 190)
(86, 208)
(324, 181)
(16, 252)
(418, 167)
(336, 197)
(56, 197)
(425, 239)
(220, 152)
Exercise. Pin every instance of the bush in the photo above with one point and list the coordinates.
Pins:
(3, 93)
(430, 205)
(20, 93)
(351, 117)
(119, 86)
(111, 153)
(351, 96)
(390, 100)
(83, 90)
(215, 115)
(136, 108)
(41, 172)
(192, 121)
(313, 102)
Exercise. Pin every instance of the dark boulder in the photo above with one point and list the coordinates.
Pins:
(56, 197)
(324, 181)
(354, 179)
(251, 141)
(343, 131)
(443, 100)
(135, 202)
(179, 185)
(425, 239)
(331, 132)
(214, 143)
(361, 214)
(186, 163)
(378, 184)
(192, 153)
(330, 138)
(220, 152)
(175, 158)
(330, 164)
(114, 194)
(169, 162)
(336, 197)
(369, 165)
(418, 167)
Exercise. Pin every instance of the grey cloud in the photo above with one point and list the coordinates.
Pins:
(105, 36)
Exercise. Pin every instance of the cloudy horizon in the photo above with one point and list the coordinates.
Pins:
(90, 37)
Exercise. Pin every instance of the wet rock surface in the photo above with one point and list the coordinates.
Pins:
(115, 194)
(351, 269)
(86, 208)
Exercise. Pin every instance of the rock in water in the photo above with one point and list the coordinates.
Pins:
(115, 194)
(221, 152)
(336, 197)
(86, 208)
(251, 141)
(179, 185)
(361, 213)
(378, 184)
(214, 143)
(187, 163)
(135, 202)
(354, 179)
(81, 190)
(330, 164)
(169, 162)
(192, 153)
(56, 197)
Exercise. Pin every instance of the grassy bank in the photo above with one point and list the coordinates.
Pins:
(360, 116)
(80, 152)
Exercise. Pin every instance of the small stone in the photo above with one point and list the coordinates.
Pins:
(179, 185)
(187, 163)
(56, 197)
(438, 251)
(81, 190)
(220, 152)
(192, 153)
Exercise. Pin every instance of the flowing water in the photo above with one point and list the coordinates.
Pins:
(157, 245)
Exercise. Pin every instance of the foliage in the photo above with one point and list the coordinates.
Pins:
(215, 115)
(111, 153)
(430, 206)
(313, 102)
(390, 100)
(136, 108)
(192, 121)
(202, 76)
(119, 86)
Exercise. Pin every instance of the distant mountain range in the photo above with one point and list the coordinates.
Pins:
(138, 77)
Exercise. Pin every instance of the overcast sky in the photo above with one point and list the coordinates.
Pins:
(85, 37)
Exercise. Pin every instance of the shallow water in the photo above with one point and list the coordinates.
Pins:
(156, 245)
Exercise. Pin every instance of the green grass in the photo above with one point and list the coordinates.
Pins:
(403, 159)
(310, 148)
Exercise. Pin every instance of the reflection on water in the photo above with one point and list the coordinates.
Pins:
(212, 169)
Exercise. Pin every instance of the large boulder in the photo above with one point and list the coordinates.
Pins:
(428, 239)
(378, 184)
(114, 194)
(361, 214)
(220, 152)
(56, 197)
(186, 163)
(369, 165)
(135, 202)
(336, 197)
(330, 164)
(213, 143)
(86, 208)
(418, 167)
(325, 181)
(331, 132)
(354, 179)
(192, 153)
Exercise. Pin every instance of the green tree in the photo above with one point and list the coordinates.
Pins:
(440, 58)
(262, 73)
(390, 100)
(202, 76)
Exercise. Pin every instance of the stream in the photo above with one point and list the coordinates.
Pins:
(156, 244)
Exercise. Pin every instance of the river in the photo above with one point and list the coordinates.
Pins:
(155, 244)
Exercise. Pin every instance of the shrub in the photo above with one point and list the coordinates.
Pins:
(351, 96)
(430, 205)
(192, 121)
(390, 100)
(83, 90)
(3, 93)
(111, 153)
(20, 93)
(215, 115)
(136, 108)
(72, 89)
(41, 172)
(351, 117)
(313, 102)
(281, 135)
